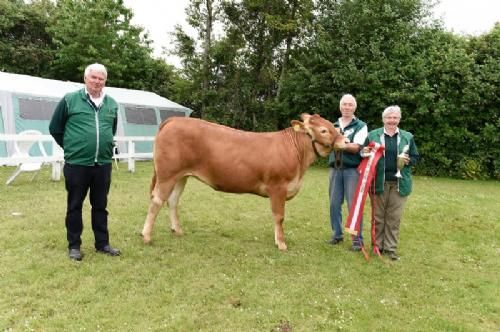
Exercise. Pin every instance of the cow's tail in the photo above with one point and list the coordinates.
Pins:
(153, 182)
(153, 179)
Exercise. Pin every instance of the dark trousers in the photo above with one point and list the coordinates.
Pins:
(78, 180)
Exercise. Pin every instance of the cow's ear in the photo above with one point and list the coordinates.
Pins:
(297, 125)
(305, 116)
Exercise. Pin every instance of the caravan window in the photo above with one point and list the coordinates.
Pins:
(165, 114)
(140, 115)
(36, 109)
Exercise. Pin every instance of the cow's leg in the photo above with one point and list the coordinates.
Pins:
(159, 194)
(173, 201)
(278, 199)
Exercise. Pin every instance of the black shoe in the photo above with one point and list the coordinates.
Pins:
(334, 241)
(108, 250)
(393, 256)
(355, 247)
(75, 254)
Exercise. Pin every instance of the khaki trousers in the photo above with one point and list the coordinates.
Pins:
(388, 210)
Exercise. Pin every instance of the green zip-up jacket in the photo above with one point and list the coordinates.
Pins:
(348, 160)
(404, 138)
(83, 130)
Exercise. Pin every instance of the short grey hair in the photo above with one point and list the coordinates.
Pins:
(348, 96)
(391, 109)
(96, 67)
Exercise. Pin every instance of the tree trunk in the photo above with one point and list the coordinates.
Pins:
(286, 56)
(207, 44)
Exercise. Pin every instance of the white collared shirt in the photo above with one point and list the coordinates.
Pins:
(360, 136)
(396, 132)
(382, 137)
(96, 101)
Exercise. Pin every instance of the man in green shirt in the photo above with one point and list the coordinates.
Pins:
(84, 124)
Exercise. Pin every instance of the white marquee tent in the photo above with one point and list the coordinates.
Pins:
(28, 102)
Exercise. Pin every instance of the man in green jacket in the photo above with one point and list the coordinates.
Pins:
(391, 187)
(84, 124)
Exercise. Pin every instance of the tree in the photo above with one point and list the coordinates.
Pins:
(235, 78)
(190, 86)
(358, 47)
(202, 15)
(252, 21)
(88, 31)
(25, 45)
(482, 99)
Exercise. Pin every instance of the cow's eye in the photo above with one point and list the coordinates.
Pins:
(323, 131)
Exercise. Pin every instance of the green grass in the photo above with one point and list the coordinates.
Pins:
(225, 274)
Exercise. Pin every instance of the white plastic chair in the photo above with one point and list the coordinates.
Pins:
(21, 150)
(116, 153)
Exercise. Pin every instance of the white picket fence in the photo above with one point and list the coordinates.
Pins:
(56, 159)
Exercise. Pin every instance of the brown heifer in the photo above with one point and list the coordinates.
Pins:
(266, 164)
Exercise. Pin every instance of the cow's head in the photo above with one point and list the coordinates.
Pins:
(325, 137)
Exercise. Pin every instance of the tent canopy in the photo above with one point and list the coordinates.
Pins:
(37, 86)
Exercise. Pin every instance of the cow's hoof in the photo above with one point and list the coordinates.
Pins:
(282, 246)
(177, 232)
(146, 239)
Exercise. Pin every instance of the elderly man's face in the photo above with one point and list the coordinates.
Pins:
(94, 82)
(347, 107)
(391, 120)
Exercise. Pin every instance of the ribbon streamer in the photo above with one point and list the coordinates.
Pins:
(367, 171)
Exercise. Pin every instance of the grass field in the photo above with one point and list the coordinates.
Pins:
(225, 274)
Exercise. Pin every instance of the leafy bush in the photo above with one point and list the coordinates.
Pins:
(471, 169)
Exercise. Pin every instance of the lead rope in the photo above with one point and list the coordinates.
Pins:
(339, 160)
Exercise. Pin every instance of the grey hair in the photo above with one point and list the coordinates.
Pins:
(96, 67)
(348, 96)
(392, 109)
